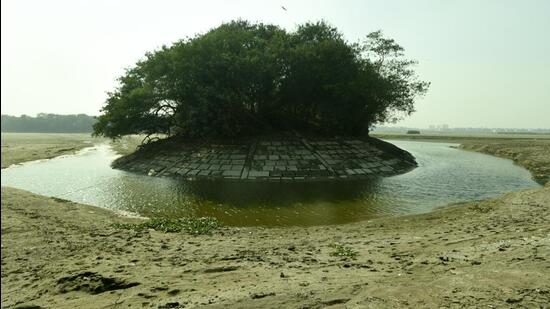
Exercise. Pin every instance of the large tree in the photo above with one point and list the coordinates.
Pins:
(242, 78)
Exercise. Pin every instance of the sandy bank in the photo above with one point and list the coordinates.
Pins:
(495, 253)
(533, 155)
(24, 147)
(57, 254)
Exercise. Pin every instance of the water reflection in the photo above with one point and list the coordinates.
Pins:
(444, 175)
(278, 203)
(277, 194)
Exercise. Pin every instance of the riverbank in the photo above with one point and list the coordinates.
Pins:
(58, 254)
(531, 151)
(532, 155)
(461, 138)
(494, 253)
(23, 147)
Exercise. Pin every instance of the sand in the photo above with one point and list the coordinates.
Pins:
(494, 253)
(23, 147)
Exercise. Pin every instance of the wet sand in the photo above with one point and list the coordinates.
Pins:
(494, 253)
(23, 147)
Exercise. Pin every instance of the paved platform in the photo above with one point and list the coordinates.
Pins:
(271, 159)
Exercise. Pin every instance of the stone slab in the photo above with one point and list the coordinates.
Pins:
(274, 160)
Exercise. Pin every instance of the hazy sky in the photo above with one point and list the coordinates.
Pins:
(488, 61)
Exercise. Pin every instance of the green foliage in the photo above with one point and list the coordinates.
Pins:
(48, 123)
(395, 85)
(242, 78)
(343, 251)
(194, 226)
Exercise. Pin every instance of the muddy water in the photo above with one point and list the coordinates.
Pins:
(445, 175)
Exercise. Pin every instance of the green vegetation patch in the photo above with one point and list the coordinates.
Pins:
(193, 226)
(243, 79)
(343, 251)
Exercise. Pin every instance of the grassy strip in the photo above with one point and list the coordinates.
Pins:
(193, 226)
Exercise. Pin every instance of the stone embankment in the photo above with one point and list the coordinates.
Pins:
(271, 159)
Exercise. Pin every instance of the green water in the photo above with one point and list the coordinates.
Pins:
(445, 175)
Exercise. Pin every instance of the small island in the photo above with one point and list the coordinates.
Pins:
(244, 154)
(287, 158)
(255, 102)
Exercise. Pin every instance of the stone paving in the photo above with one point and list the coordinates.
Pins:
(274, 160)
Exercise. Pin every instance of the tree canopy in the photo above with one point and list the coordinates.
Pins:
(242, 79)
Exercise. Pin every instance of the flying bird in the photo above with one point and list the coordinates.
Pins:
(283, 7)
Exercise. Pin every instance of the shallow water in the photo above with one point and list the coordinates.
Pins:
(445, 175)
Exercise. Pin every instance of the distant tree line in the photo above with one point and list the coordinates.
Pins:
(48, 123)
(243, 78)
